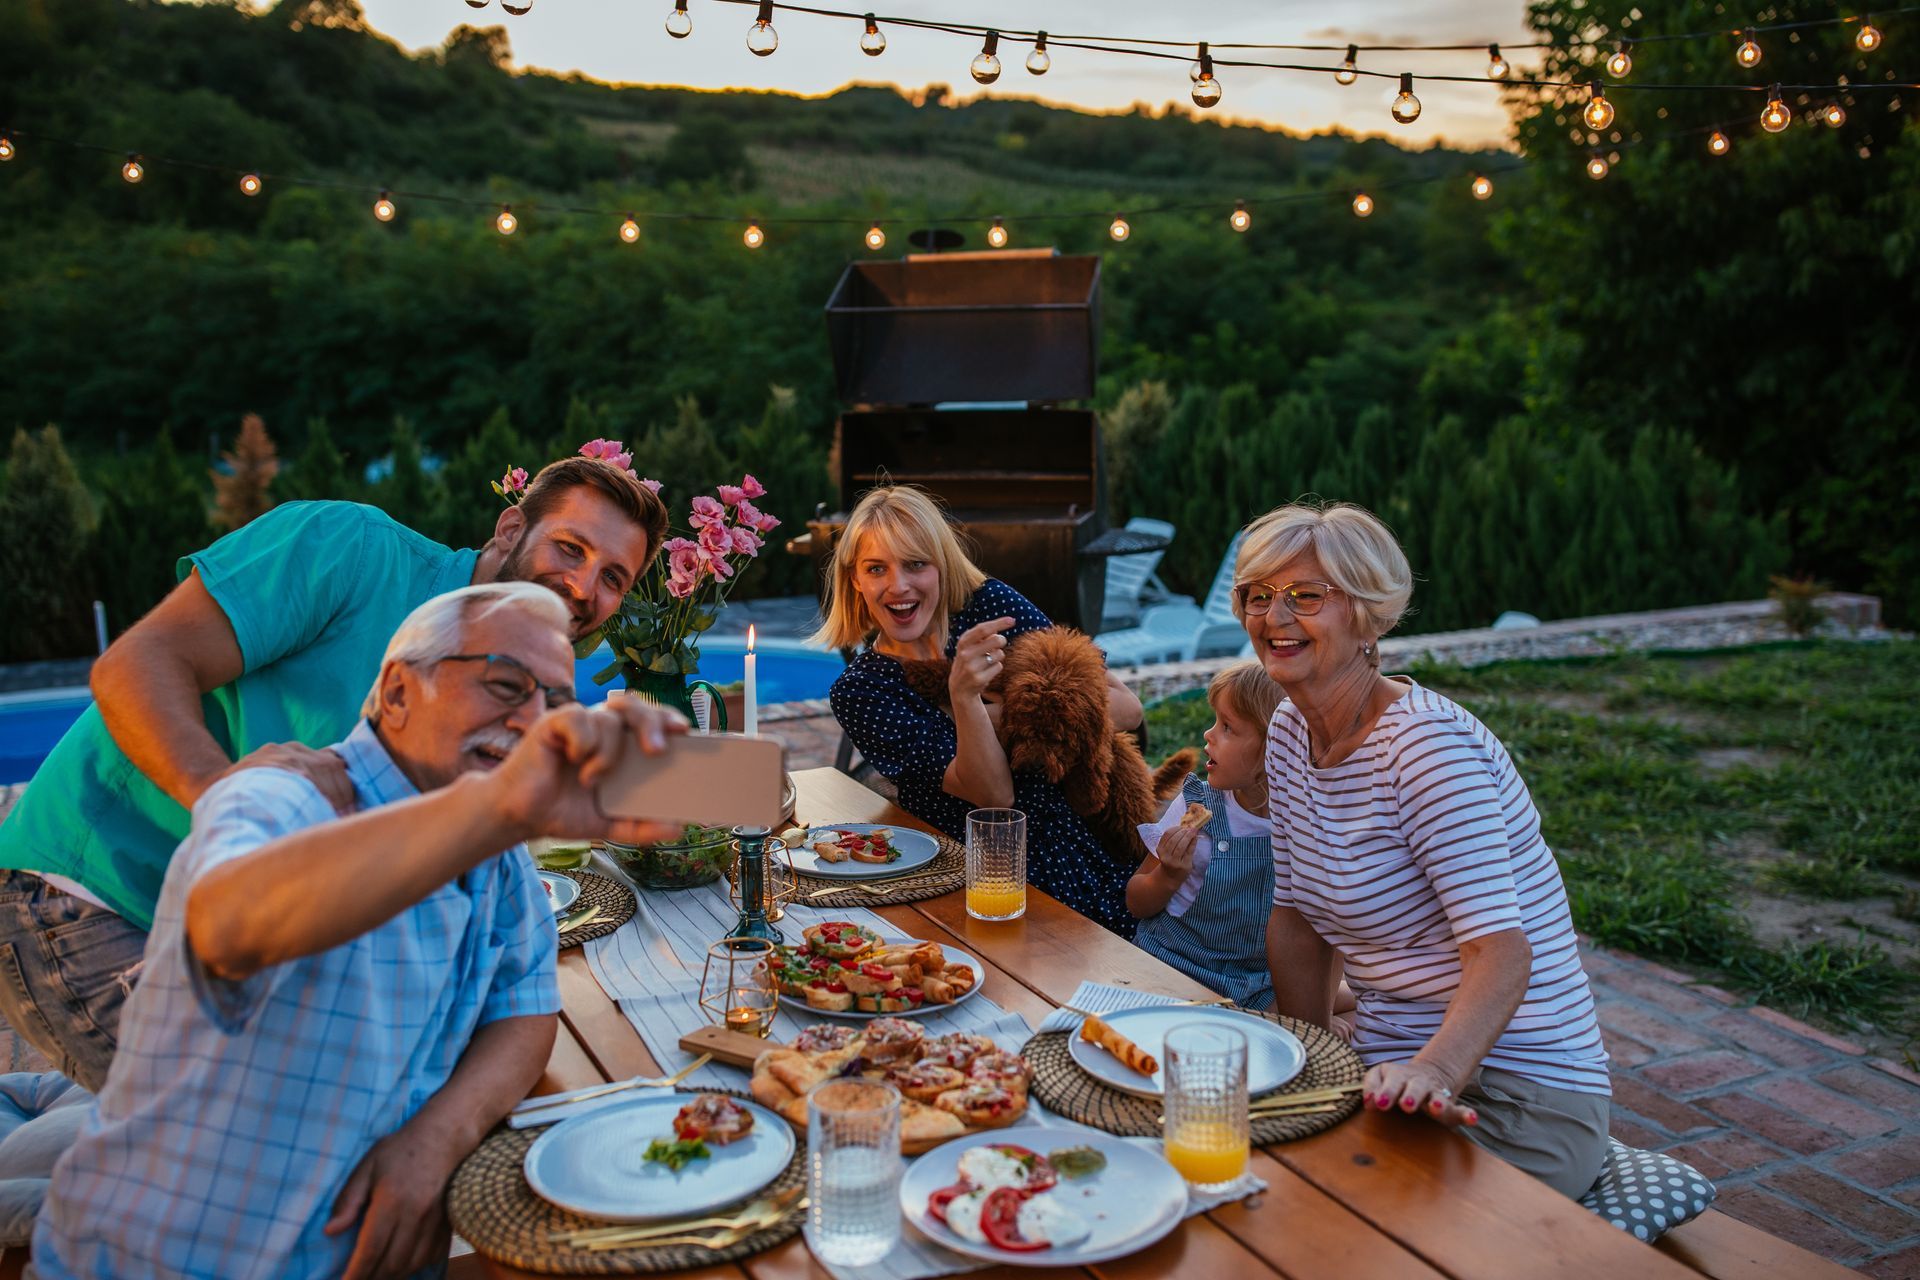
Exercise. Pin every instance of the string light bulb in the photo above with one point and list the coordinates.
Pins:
(630, 231)
(1718, 144)
(506, 224)
(1239, 219)
(1482, 186)
(518, 10)
(876, 238)
(383, 207)
(1834, 114)
(1748, 54)
(753, 237)
(6, 147)
(1620, 63)
(1406, 107)
(873, 41)
(1206, 89)
(1776, 117)
(1497, 67)
(1597, 166)
(1039, 60)
(1119, 230)
(985, 66)
(249, 184)
(762, 39)
(997, 234)
(1363, 205)
(679, 22)
(1599, 112)
(1347, 72)
(134, 169)
(1867, 39)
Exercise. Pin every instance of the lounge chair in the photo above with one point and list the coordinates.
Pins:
(1162, 636)
(1218, 633)
(1131, 581)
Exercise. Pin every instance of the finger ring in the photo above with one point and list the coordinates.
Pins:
(1444, 1093)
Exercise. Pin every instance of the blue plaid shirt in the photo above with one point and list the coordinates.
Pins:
(235, 1111)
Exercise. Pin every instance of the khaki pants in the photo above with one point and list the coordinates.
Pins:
(1557, 1135)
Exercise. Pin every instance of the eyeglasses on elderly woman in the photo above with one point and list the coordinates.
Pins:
(1303, 599)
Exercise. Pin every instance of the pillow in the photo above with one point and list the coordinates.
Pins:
(1647, 1193)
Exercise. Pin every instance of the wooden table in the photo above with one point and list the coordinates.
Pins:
(1381, 1195)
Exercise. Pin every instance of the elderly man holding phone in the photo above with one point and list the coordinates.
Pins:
(336, 1009)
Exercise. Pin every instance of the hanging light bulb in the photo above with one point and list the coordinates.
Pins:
(6, 147)
(1867, 39)
(1482, 186)
(383, 207)
(1597, 166)
(997, 234)
(506, 224)
(1834, 114)
(250, 184)
(1039, 60)
(1406, 107)
(134, 169)
(1776, 117)
(761, 37)
(1748, 54)
(1599, 112)
(630, 231)
(873, 41)
(1346, 73)
(1119, 230)
(1206, 90)
(753, 237)
(679, 22)
(986, 63)
(1240, 219)
(1621, 63)
(876, 238)
(518, 8)
(1718, 144)
(1497, 67)
(1363, 205)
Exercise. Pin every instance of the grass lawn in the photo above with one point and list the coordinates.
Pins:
(1753, 817)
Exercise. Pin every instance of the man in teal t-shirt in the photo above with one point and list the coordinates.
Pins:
(260, 656)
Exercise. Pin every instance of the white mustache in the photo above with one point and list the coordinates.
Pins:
(496, 739)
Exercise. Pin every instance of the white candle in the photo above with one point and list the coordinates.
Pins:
(753, 692)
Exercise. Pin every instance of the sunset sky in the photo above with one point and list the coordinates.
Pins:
(624, 41)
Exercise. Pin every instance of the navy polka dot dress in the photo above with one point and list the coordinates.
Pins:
(912, 742)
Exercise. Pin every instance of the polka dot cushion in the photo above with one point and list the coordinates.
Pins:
(1647, 1193)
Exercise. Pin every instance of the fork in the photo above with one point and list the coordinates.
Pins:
(663, 1082)
(757, 1217)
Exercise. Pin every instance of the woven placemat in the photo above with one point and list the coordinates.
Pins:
(614, 899)
(494, 1210)
(945, 874)
(1062, 1087)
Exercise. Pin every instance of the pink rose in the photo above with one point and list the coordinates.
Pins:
(679, 586)
(683, 560)
(706, 511)
(717, 565)
(752, 488)
(749, 514)
(716, 539)
(608, 451)
(745, 541)
(672, 545)
(653, 486)
(732, 494)
(515, 481)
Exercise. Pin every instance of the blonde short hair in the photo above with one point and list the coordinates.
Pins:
(909, 522)
(434, 630)
(1358, 551)
(1246, 691)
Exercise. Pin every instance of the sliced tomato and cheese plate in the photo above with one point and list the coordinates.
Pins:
(869, 851)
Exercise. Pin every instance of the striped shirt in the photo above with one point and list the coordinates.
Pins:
(1423, 839)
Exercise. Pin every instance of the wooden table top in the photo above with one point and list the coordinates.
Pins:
(1381, 1195)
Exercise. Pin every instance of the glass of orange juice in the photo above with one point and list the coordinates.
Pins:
(996, 864)
(1206, 1104)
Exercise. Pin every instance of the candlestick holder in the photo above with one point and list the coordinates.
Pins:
(780, 884)
(737, 986)
(753, 922)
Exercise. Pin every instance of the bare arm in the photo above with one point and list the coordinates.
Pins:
(1162, 873)
(1123, 704)
(979, 772)
(1306, 968)
(1494, 972)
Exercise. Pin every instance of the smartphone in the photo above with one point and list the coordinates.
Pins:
(714, 779)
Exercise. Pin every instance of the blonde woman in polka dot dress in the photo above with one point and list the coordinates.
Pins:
(903, 587)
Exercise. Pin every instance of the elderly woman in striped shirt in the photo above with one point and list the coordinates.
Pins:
(1407, 851)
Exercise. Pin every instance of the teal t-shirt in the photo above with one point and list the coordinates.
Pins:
(314, 591)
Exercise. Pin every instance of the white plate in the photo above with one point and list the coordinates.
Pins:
(1130, 1204)
(561, 890)
(592, 1164)
(1274, 1054)
(917, 849)
(954, 956)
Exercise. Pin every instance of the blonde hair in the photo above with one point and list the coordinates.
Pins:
(1358, 551)
(908, 521)
(434, 631)
(1246, 690)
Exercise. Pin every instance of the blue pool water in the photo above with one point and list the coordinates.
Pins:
(31, 723)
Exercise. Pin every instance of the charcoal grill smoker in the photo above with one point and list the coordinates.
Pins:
(951, 367)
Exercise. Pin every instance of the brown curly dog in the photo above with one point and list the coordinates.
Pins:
(1055, 724)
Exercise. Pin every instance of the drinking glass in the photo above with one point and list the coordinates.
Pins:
(996, 864)
(1206, 1104)
(739, 976)
(853, 1171)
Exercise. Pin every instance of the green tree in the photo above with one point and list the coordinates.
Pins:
(469, 474)
(320, 472)
(153, 511)
(45, 559)
(408, 491)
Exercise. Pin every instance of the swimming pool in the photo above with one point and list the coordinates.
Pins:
(30, 723)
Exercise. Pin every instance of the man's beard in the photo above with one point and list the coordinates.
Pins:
(514, 569)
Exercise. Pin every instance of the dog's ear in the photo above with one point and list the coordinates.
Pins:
(928, 678)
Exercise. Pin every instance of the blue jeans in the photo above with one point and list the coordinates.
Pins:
(66, 969)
